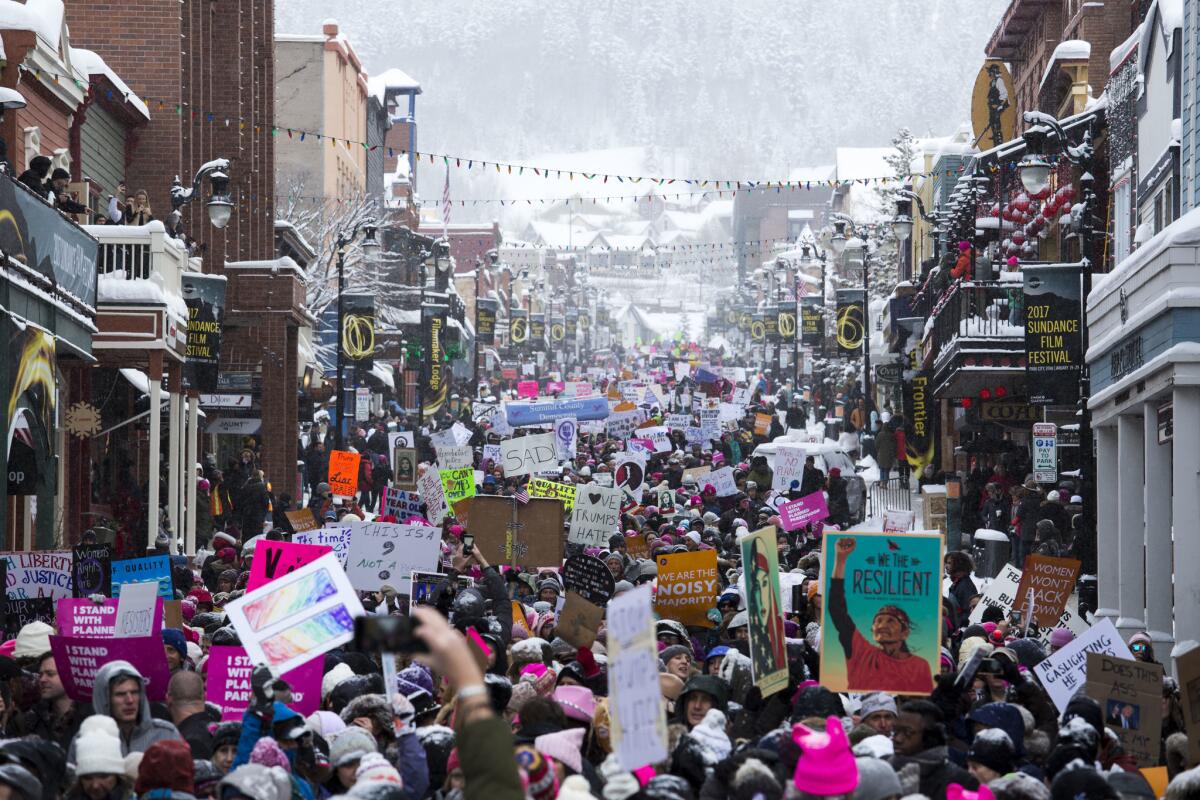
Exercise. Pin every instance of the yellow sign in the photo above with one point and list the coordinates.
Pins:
(993, 105)
(540, 487)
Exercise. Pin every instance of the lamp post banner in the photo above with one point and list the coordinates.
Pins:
(204, 296)
(851, 321)
(1053, 337)
(358, 330)
(812, 324)
(485, 321)
(437, 376)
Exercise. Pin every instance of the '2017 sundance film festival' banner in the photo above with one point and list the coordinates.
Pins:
(204, 296)
(851, 321)
(764, 606)
(883, 612)
(1053, 341)
(812, 322)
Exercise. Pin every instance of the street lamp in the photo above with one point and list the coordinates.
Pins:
(370, 249)
(220, 207)
(837, 242)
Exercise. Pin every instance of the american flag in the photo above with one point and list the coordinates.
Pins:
(446, 203)
(522, 495)
(801, 287)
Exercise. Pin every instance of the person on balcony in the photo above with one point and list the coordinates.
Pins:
(35, 177)
(64, 201)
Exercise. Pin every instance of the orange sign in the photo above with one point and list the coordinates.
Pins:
(343, 472)
(687, 587)
(762, 424)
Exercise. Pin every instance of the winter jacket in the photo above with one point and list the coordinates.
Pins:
(252, 506)
(936, 772)
(885, 449)
(253, 729)
(997, 514)
(1026, 517)
(485, 748)
(811, 481)
(408, 757)
(43, 722)
(146, 731)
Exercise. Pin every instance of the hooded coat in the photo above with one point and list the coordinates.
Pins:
(146, 731)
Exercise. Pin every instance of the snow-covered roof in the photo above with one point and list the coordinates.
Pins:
(392, 79)
(114, 287)
(1184, 231)
(90, 63)
(1169, 14)
(1069, 50)
(311, 38)
(381, 371)
(824, 172)
(1122, 51)
(43, 17)
(856, 163)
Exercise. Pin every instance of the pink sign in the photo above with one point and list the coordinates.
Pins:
(798, 513)
(78, 658)
(527, 389)
(82, 617)
(272, 559)
(583, 390)
(228, 683)
(555, 387)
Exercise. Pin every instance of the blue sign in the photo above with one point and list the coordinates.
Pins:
(143, 570)
(546, 411)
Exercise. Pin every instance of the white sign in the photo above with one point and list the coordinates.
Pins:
(596, 516)
(657, 434)
(629, 472)
(455, 457)
(710, 422)
(722, 480)
(528, 454)
(639, 719)
(298, 616)
(231, 426)
(384, 553)
(400, 439)
(443, 439)
(461, 433)
(1000, 593)
(135, 609)
(622, 424)
(362, 404)
(678, 422)
(1064, 673)
(430, 487)
(898, 520)
(491, 452)
(1045, 452)
(566, 429)
(332, 535)
(225, 400)
(789, 466)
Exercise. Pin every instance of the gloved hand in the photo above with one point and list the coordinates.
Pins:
(262, 683)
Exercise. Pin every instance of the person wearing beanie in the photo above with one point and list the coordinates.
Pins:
(255, 782)
(1142, 647)
(175, 645)
(20, 782)
(826, 766)
(205, 779)
(119, 691)
(33, 641)
(100, 771)
(878, 711)
(1060, 638)
(374, 768)
(346, 750)
(331, 679)
(876, 780)
(992, 755)
(166, 771)
(677, 660)
(956, 792)
(224, 745)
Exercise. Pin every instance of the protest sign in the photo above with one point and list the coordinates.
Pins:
(710, 423)
(789, 466)
(461, 433)
(678, 422)
(20, 611)
(722, 480)
(78, 658)
(136, 608)
(228, 685)
(386, 553)
(457, 484)
(84, 617)
(143, 570)
(762, 424)
(442, 439)
(272, 559)
(898, 520)
(621, 425)
(334, 536)
(1187, 666)
(596, 516)
(635, 704)
(882, 612)
(546, 411)
(91, 570)
(629, 474)
(401, 504)
(640, 446)
(508, 532)
(404, 468)
(1000, 593)
(302, 520)
(795, 514)
(297, 616)
(430, 487)
(1130, 694)
(343, 472)
(698, 473)
(1052, 581)
(565, 492)
(527, 389)
(491, 452)
(687, 587)
(455, 457)
(578, 621)
(528, 454)
(566, 430)
(422, 585)
(764, 607)
(44, 573)
(1064, 672)
(590, 578)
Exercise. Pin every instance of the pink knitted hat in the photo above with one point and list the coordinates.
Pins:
(826, 766)
(956, 792)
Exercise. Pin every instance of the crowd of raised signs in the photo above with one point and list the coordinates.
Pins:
(602, 592)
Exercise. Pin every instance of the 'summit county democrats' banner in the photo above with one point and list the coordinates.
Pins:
(883, 612)
(1053, 340)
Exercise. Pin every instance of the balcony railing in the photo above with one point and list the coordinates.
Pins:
(143, 253)
(978, 310)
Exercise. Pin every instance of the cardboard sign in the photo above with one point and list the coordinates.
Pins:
(334, 536)
(795, 514)
(43, 573)
(590, 578)
(1130, 695)
(385, 553)
(636, 546)
(768, 643)
(457, 484)
(20, 611)
(579, 621)
(1062, 674)
(1187, 666)
(876, 576)
(528, 535)
(272, 559)
(566, 431)
(629, 475)
(621, 425)
(1052, 581)
(143, 570)
(688, 587)
(78, 658)
(898, 520)
(91, 570)
(228, 685)
(434, 495)
(135, 610)
(528, 454)
(343, 472)
(596, 516)
(564, 492)
(635, 704)
(297, 616)
(455, 457)
(302, 520)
